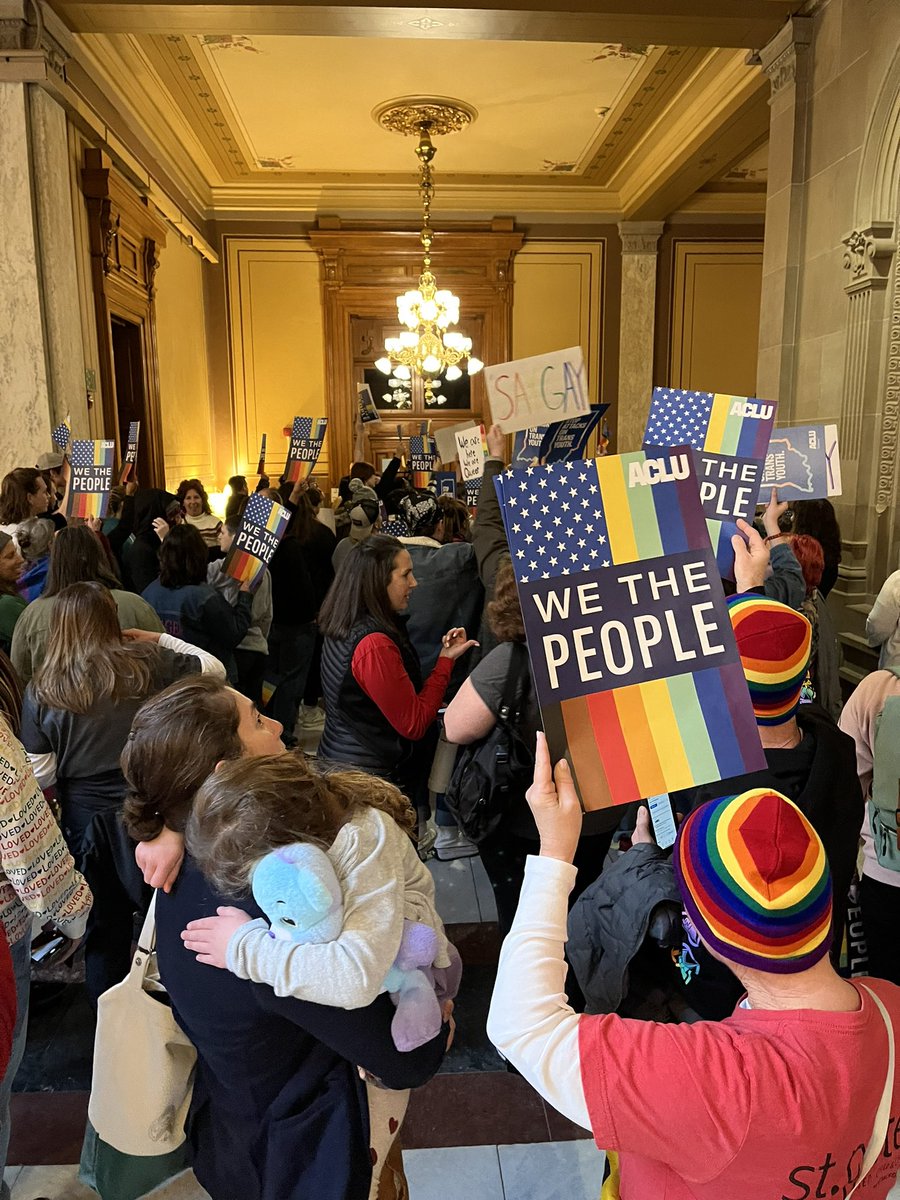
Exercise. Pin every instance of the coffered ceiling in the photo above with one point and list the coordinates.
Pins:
(253, 122)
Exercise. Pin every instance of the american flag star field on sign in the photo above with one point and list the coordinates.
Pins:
(131, 450)
(423, 456)
(633, 656)
(61, 435)
(729, 436)
(91, 478)
(262, 528)
(307, 437)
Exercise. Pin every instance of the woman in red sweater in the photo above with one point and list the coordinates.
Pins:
(379, 712)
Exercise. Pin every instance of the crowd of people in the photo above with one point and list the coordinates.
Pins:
(275, 766)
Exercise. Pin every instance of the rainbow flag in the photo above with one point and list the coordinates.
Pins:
(423, 457)
(262, 528)
(307, 436)
(633, 656)
(92, 471)
(730, 436)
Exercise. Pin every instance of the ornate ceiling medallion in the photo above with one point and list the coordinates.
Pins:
(407, 115)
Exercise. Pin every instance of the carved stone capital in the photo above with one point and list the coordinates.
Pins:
(33, 42)
(867, 256)
(640, 237)
(780, 57)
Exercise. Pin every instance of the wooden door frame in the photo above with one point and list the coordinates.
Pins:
(361, 273)
(126, 238)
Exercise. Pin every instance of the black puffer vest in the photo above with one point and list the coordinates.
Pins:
(356, 731)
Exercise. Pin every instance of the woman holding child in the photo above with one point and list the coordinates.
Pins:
(280, 1109)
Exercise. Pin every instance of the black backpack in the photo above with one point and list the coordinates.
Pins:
(494, 772)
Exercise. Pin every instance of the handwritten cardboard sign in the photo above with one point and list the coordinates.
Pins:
(538, 390)
(633, 656)
(471, 452)
(803, 462)
(445, 438)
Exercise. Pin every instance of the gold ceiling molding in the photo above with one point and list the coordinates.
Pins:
(407, 115)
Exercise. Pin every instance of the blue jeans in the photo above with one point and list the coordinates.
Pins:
(291, 650)
(21, 959)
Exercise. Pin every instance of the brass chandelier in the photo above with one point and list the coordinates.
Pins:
(428, 347)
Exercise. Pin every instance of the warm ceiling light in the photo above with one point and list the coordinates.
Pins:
(427, 347)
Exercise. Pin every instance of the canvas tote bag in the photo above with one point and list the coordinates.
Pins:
(143, 1062)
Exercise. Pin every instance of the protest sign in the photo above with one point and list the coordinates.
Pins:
(472, 451)
(566, 440)
(444, 483)
(730, 436)
(91, 478)
(471, 492)
(62, 434)
(527, 445)
(131, 450)
(261, 463)
(262, 527)
(307, 436)
(368, 413)
(422, 459)
(445, 437)
(633, 656)
(538, 390)
(804, 463)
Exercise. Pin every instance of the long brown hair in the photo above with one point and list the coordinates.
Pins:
(77, 556)
(176, 739)
(10, 694)
(86, 659)
(253, 805)
(504, 612)
(15, 489)
(360, 589)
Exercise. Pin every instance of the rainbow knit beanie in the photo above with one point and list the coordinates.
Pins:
(774, 642)
(755, 881)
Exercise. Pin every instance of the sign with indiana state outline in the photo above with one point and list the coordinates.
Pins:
(803, 463)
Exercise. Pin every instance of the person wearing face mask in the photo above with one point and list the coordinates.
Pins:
(12, 604)
(380, 714)
(251, 652)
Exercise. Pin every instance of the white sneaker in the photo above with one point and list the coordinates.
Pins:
(452, 843)
(311, 717)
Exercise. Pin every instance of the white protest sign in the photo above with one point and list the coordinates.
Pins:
(538, 390)
(446, 440)
(470, 447)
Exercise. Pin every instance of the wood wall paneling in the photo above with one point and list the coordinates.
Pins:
(714, 316)
(363, 271)
(558, 302)
(278, 337)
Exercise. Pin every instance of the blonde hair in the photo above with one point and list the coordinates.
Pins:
(250, 806)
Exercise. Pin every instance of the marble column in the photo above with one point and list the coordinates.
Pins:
(24, 390)
(637, 323)
(786, 61)
(41, 351)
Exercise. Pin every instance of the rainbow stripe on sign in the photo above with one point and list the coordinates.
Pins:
(730, 428)
(262, 527)
(91, 479)
(305, 446)
(625, 741)
(423, 457)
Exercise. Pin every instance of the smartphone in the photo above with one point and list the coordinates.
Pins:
(662, 819)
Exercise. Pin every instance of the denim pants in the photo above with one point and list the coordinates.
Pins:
(21, 960)
(291, 649)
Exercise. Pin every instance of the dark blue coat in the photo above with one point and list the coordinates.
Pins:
(279, 1111)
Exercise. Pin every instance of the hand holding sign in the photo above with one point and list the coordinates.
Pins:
(554, 805)
(538, 390)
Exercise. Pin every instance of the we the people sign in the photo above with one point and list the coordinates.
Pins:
(633, 656)
(262, 528)
(538, 390)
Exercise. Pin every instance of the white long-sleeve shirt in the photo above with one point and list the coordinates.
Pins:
(883, 622)
(383, 881)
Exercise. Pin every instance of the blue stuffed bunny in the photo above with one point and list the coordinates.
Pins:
(297, 888)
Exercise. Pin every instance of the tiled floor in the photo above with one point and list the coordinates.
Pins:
(551, 1171)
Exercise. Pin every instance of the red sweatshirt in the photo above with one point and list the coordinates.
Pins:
(378, 668)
